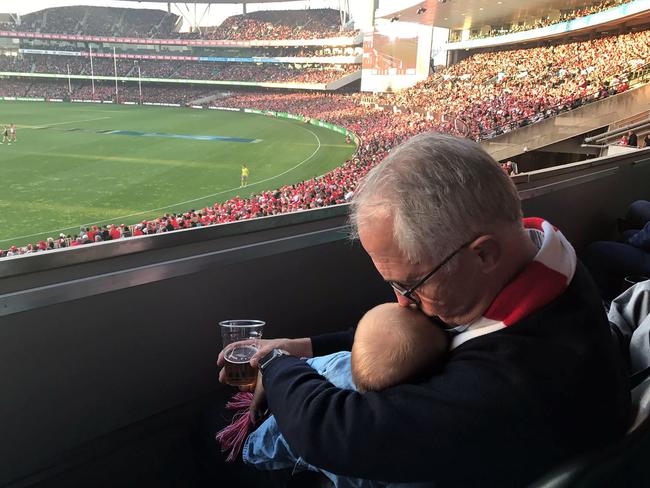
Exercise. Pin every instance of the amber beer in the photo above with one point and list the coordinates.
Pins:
(239, 372)
(239, 340)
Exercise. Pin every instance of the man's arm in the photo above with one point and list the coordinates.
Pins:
(404, 433)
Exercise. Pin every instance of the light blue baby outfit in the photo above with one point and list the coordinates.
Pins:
(267, 449)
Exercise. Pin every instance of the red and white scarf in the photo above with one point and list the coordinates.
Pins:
(540, 282)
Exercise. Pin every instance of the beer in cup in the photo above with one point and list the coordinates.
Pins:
(238, 370)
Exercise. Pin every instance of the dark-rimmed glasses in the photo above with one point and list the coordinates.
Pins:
(408, 292)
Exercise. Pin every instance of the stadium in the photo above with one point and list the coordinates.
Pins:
(168, 166)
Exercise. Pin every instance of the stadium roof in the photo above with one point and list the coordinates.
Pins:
(466, 14)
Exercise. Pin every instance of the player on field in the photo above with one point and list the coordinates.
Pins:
(12, 132)
(244, 174)
(5, 135)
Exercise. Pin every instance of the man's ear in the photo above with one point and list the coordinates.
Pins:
(488, 251)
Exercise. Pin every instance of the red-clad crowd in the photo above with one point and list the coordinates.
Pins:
(493, 92)
(480, 96)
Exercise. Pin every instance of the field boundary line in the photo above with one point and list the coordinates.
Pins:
(318, 147)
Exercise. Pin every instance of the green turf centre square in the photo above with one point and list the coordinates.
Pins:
(67, 170)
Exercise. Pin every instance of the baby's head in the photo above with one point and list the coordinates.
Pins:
(395, 344)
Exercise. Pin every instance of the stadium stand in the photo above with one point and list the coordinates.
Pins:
(190, 70)
(490, 93)
(7, 25)
(494, 92)
(105, 21)
(280, 24)
(146, 23)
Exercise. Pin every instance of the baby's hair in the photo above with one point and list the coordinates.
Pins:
(394, 344)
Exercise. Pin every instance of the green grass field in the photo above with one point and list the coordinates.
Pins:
(67, 168)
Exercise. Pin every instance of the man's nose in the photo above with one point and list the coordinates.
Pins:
(402, 300)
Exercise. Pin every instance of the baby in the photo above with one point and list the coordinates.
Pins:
(392, 345)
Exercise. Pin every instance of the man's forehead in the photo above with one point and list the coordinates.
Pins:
(376, 231)
(377, 238)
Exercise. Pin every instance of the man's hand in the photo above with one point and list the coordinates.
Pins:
(295, 347)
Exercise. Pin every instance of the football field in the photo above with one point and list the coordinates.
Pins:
(76, 164)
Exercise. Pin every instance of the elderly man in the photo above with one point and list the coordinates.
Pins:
(532, 379)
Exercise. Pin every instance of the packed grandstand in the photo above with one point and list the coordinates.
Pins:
(482, 96)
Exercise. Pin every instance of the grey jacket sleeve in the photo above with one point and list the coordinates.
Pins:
(629, 316)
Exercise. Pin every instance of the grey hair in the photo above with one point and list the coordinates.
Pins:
(441, 191)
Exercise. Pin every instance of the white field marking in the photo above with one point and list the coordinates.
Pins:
(73, 122)
(122, 217)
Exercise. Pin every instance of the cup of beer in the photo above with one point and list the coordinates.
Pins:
(239, 372)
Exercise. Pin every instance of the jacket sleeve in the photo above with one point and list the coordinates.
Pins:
(404, 433)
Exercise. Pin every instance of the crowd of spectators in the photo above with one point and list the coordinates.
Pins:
(562, 16)
(100, 21)
(484, 92)
(14, 88)
(494, 92)
(104, 91)
(191, 70)
(278, 25)
(147, 23)
(15, 64)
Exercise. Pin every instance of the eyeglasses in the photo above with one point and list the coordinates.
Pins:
(407, 292)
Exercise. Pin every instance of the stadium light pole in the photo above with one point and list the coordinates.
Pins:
(139, 81)
(92, 71)
(69, 82)
(117, 91)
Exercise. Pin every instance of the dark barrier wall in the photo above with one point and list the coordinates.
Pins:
(75, 370)
(94, 341)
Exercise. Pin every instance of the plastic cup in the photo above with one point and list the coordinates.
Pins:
(239, 372)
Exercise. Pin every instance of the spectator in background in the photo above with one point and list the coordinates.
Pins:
(632, 139)
(610, 262)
